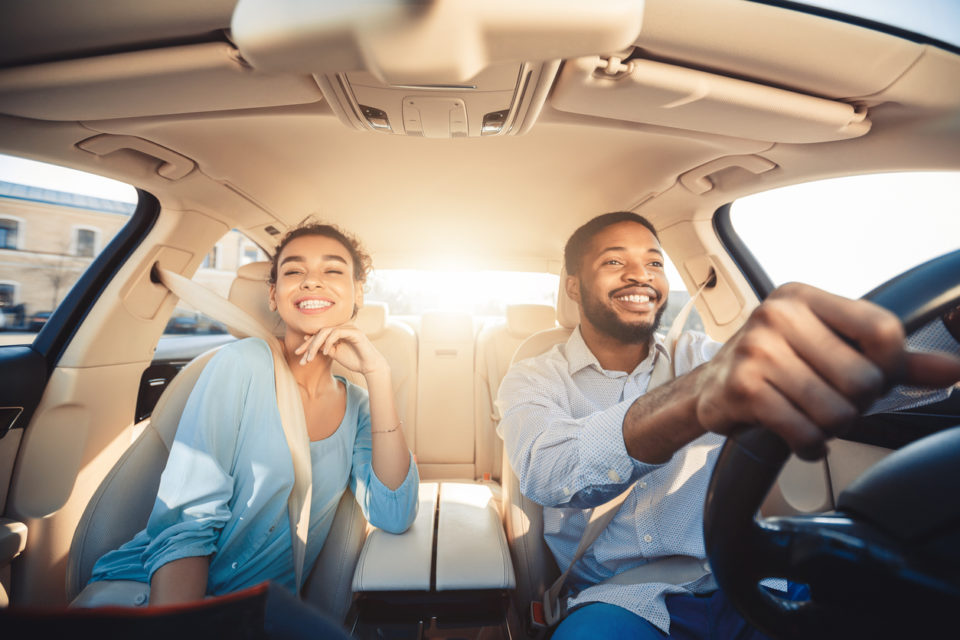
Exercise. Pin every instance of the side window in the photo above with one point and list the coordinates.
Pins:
(848, 235)
(210, 260)
(53, 223)
(216, 272)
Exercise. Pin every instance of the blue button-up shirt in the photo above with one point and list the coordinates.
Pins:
(562, 423)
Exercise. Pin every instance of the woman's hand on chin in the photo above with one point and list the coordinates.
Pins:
(346, 345)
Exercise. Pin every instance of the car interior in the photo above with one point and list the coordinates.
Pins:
(449, 136)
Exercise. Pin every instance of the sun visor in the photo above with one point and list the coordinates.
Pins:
(656, 93)
(193, 78)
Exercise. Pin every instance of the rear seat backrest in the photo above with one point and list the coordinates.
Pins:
(445, 431)
(496, 345)
(568, 317)
(397, 343)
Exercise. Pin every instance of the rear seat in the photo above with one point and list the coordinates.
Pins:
(496, 345)
(444, 429)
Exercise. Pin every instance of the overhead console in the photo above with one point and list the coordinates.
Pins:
(450, 69)
(502, 99)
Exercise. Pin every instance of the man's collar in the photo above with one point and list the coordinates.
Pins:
(580, 357)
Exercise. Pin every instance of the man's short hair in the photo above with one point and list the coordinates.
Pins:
(580, 240)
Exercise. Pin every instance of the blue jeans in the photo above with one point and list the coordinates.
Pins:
(692, 617)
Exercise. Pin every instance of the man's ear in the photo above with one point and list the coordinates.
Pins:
(572, 286)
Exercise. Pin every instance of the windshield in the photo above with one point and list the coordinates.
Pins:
(848, 235)
(936, 19)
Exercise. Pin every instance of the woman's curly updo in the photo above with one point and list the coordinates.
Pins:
(362, 264)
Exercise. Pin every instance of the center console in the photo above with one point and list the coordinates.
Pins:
(447, 576)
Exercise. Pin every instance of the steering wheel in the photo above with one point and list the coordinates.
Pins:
(887, 561)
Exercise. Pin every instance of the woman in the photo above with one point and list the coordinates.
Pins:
(220, 522)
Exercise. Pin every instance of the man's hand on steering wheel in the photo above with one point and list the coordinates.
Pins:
(807, 363)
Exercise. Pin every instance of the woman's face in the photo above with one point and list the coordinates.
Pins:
(315, 286)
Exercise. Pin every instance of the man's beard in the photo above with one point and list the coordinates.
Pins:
(606, 320)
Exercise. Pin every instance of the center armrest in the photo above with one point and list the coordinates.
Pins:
(472, 551)
(400, 562)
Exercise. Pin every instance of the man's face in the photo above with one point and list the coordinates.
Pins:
(622, 288)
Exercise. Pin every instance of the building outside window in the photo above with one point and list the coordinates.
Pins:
(8, 294)
(85, 243)
(9, 232)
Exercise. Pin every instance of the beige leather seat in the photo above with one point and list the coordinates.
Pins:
(523, 518)
(496, 344)
(398, 344)
(444, 433)
(121, 505)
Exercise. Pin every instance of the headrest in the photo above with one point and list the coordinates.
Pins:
(526, 319)
(249, 291)
(446, 326)
(372, 318)
(568, 311)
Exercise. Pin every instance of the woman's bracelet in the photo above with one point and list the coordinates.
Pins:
(400, 424)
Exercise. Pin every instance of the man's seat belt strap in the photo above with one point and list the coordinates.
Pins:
(673, 569)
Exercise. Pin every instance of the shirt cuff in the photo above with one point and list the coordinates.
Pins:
(603, 452)
(394, 510)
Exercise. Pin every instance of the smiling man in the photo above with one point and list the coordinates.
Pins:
(580, 426)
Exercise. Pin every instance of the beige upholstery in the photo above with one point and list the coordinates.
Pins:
(391, 562)
(445, 440)
(471, 549)
(249, 292)
(398, 344)
(523, 518)
(496, 345)
(121, 505)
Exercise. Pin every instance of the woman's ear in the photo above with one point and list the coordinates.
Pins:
(572, 286)
(271, 297)
(357, 300)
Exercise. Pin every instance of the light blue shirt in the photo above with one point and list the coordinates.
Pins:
(224, 490)
(562, 424)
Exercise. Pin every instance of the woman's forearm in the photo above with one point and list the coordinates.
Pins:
(182, 580)
(390, 457)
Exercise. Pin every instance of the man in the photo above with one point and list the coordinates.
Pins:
(579, 426)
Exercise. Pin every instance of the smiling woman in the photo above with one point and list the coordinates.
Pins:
(218, 523)
(456, 138)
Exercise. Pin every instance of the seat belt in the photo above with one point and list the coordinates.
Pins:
(288, 401)
(672, 569)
